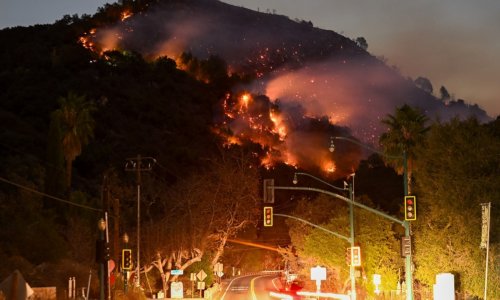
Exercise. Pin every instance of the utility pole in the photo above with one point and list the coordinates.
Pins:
(139, 164)
(351, 225)
(116, 229)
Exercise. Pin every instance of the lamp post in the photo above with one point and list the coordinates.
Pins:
(101, 225)
(350, 188)
(406, 224)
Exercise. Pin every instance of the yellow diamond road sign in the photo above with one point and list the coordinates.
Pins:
(201, 275)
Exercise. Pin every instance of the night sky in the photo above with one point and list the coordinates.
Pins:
(454, 43)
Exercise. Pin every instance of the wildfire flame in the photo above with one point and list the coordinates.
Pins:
(256, 119)
(125, 15)
(329, 166)
(285, 136)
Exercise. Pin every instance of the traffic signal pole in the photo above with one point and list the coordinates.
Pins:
(405, 224)
(351, 222)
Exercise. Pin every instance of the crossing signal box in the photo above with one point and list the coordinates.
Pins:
(268, 216)
(127, 259)
(410, 208)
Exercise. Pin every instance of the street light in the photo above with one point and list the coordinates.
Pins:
(351, 220)
(406, 224)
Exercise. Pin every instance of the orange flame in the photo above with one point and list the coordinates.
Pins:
(329, 166)
(125, 15)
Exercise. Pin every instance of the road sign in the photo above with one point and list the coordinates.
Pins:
(268, 191)
(201, 275)
(176, 272)
(192, 277)
(405, 246)
(218, 267)
(318, 273)
(201, 285)
(176, 290)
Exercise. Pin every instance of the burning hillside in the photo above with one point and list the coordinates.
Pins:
(308, 83)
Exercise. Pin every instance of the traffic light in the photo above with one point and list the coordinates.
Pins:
(102, 251)
(268, 216)
(127, 259)
(107, 252)
(405, 246)
(348, 256)
(356, 256)
(410, 208)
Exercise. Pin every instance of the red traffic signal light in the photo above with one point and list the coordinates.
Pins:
(127, 259)
(268, 216)
(410, 208)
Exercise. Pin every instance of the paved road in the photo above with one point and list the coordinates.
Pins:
(251, 287)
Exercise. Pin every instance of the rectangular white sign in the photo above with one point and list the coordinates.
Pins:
(176, 272)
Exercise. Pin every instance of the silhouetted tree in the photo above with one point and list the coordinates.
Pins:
(362, 43)
(406, 129)
(458, 169)
(425, 84)
(444, 95)
(74, 116)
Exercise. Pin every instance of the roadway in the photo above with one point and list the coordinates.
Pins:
(251, 287)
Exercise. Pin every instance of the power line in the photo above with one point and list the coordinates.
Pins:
(48, 196)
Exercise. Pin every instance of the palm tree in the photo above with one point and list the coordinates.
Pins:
(77, 125)
(406, 129)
